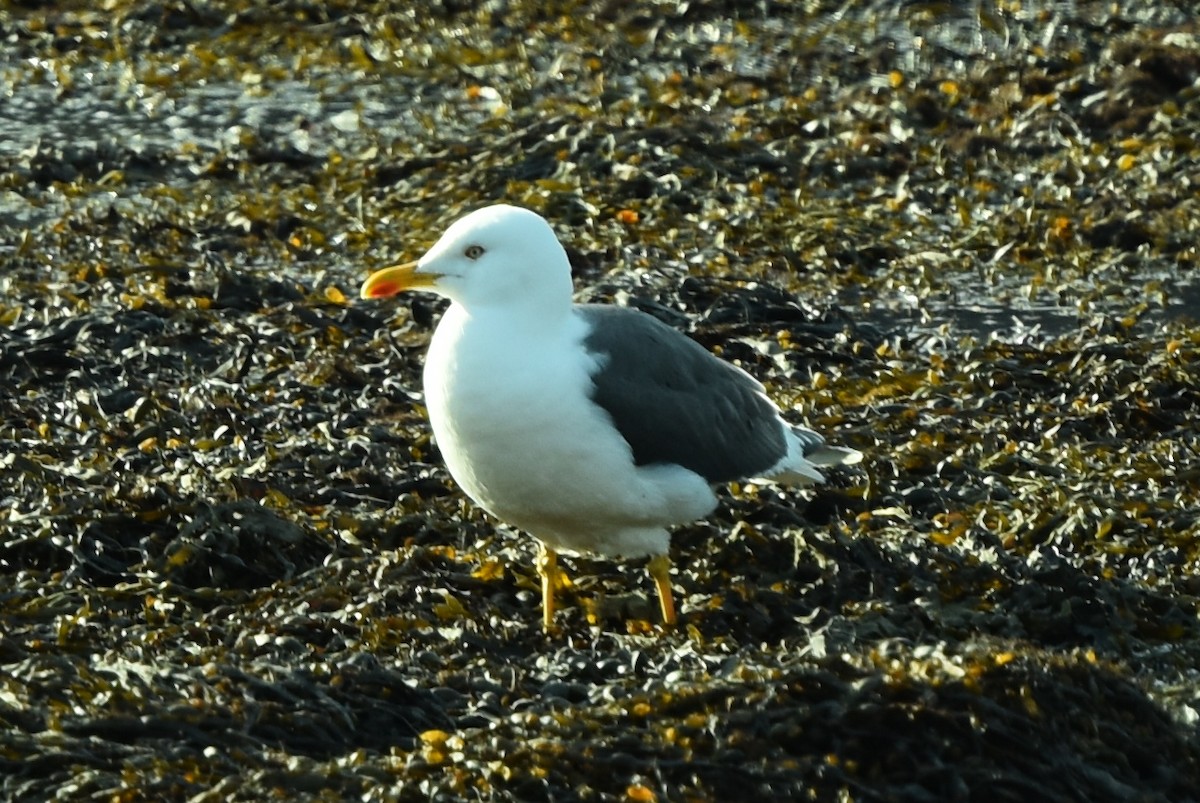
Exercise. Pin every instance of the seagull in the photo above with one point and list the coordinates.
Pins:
(594, 428)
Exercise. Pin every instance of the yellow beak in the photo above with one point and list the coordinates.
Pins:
(388, 282)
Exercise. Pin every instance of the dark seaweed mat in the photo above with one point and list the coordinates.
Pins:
(233, 568)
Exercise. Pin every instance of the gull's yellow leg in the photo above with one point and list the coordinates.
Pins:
(660, 569)
(547, 567)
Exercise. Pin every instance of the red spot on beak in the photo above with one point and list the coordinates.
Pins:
(384, 290)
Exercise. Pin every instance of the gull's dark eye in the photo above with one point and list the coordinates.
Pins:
(474, 251)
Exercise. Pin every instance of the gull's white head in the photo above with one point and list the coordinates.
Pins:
(498, 255)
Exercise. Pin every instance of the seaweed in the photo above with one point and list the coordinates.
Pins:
(961, 238)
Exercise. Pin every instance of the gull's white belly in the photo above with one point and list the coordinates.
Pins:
(520, 435)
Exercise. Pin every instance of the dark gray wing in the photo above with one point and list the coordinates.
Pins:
(674, 402)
